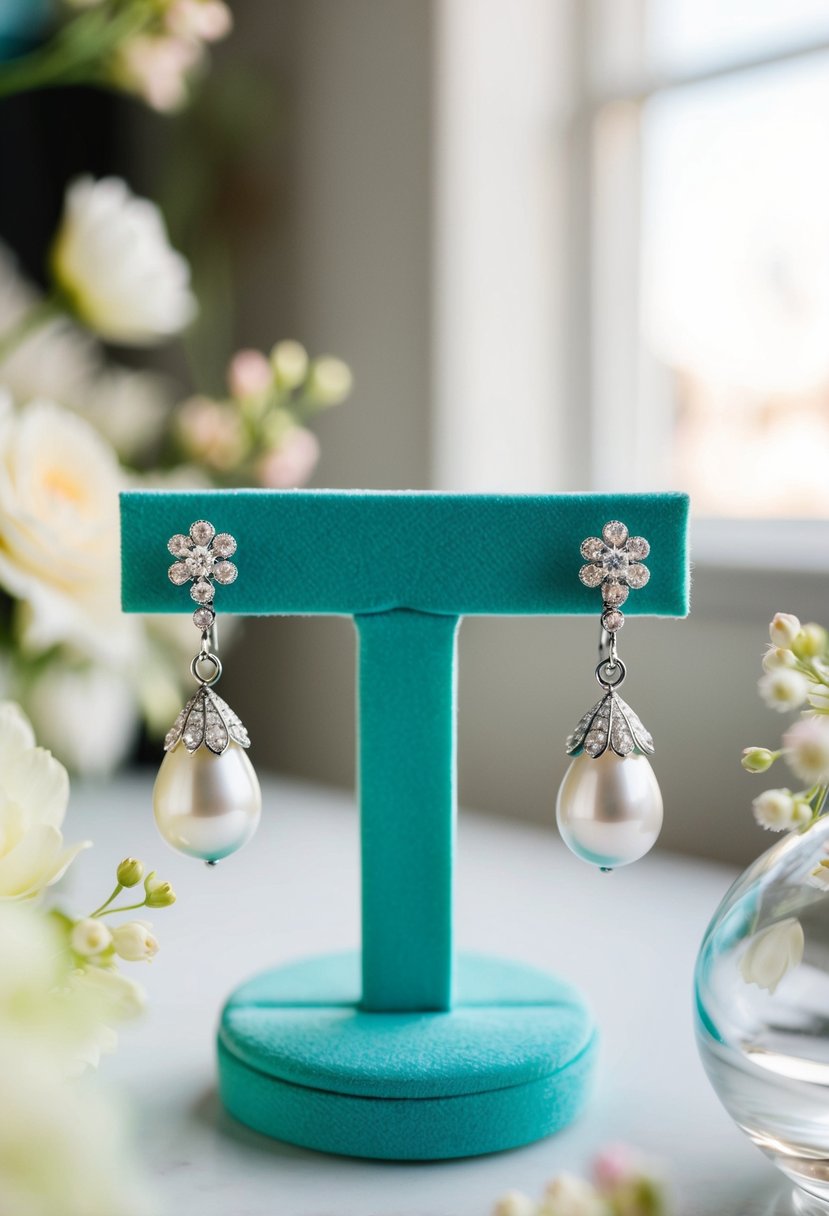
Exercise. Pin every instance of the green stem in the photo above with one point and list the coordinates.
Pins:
(123, 908)
(107, 902)
(78, 53)
(37, 316)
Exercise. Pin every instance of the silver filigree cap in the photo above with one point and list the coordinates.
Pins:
(610, 723)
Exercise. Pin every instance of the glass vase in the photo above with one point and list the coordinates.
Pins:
(762, 1008)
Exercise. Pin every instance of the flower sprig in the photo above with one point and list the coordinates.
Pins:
(622, 1183)
(153, 49)
(95, 943)
(796, 674)
(257, 434)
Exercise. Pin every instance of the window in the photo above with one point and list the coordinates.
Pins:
(672, 302)
(719, 310)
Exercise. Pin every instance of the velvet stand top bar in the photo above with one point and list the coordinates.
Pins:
(342, 553)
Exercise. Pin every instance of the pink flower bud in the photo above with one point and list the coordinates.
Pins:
(249, 374)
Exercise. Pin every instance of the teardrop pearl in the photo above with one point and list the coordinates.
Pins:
(609, 809)
(207, 805)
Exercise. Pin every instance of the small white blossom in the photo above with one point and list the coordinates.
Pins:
(810, 642)
(90, 937)
(779, 811)
(783, 629)
(134, 942)
(818, 698)
(777, 656)
(806, 746)
(289, 360)
(772, 953)
(112, 260)
(568, 1195)
(515, 1203)
(783, 689)
(756, 759)
(330, 381)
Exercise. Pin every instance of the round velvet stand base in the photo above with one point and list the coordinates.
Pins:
(511, 1063)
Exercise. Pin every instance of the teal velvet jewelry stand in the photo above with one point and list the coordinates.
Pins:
(405, 1051)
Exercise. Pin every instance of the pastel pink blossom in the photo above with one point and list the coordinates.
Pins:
(249, 374)
(614, 1164)
(292, 462)
(209, 20)
(156, 68)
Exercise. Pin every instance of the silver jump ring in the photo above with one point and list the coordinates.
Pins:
(611, 672)
(214, 661)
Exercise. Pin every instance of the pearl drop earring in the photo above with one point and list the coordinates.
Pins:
(609, 808)
(206, 798)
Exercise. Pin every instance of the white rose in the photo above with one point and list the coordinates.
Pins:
(34, 791)
(134, 942)
(59, 531)
(783, 629)
(806, 746)
(783, 689)
(779, 811)
(772, 953)
(112, 260)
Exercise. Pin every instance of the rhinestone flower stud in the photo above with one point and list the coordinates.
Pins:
(614, 563)
(202, 560)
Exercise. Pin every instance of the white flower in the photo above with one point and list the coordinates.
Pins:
(59, 531)
(779, 811)
(112, 259)
(783, 629)
(62, 1144)
(777, 656)
(52, 698)
(249, 374)
(134, 942)
(34, 791)
(157, 68)
(806, 745)
(118, 998)
(568, 1195)
(772, 953)
(289, 360)
(756, 759)
(515, 1203)
(330, 381)
(90, 937)
(810, 642)
(783, 689)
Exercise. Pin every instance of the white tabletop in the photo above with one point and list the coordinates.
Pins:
(628, 940)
